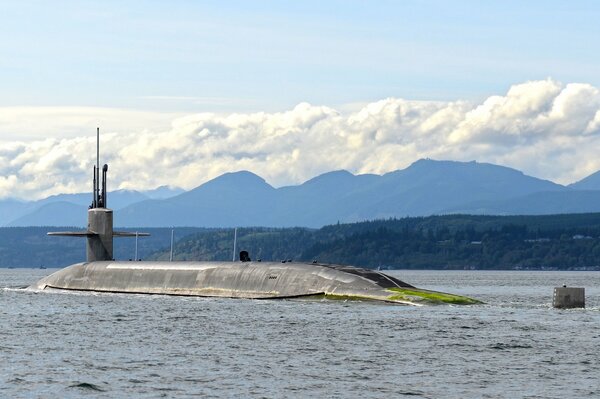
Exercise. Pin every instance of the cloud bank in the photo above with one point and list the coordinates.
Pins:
(545, 128)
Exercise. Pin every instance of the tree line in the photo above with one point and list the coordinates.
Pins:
(555, 242)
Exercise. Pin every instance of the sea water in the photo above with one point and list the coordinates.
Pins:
(110, 345)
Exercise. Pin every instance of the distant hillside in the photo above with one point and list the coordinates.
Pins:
(69, 209)
(539, 203)
(163, 192)
(592, 182)
(426, 187)
(232, 199)
(434, 242)
(32, 247)
(54, 214)
(437, 242)
(117, 199)
(11, 209)
(243, 199)
(431, 187)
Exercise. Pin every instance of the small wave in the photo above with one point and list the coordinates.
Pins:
(503, 346)
(15, 288)
(410, 393)
(87, 386)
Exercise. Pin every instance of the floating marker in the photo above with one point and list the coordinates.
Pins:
(568, 297)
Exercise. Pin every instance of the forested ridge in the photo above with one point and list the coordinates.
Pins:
(553, 242)
(556, 242)
(32, 247)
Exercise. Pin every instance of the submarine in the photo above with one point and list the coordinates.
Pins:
(237, 279)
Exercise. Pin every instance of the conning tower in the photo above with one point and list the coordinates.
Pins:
(100, 223)
(99, 231)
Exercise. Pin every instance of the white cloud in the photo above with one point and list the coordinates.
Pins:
(29, 123)
(545, 128)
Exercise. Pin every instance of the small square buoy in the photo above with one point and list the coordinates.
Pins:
(568, 297)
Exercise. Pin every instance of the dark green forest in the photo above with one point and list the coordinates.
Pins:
(558, 242)
(555, 242)
(32, 247)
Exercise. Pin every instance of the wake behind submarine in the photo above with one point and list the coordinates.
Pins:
(243, 279)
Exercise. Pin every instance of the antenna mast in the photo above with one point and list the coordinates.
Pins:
(95, 202)
(234, 243)
(171, 256)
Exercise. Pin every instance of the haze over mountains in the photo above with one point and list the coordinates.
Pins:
(70, 209)
(426, 187)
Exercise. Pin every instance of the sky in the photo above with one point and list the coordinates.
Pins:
(184, 91)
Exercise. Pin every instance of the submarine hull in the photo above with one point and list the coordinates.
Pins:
(257, 280)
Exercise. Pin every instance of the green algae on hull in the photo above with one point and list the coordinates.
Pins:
(405, 294)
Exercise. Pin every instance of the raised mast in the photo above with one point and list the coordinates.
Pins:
(97, 171)
(94, 202)
(103, 203)
(99, 186)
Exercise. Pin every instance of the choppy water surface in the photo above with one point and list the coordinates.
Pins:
(99, 345)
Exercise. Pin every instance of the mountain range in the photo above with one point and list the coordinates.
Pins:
(427, 187)
(70, 209)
